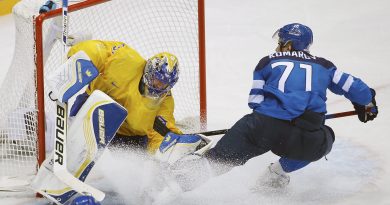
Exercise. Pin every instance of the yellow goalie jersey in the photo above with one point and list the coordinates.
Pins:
(121, 70)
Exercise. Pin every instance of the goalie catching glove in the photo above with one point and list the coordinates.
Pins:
(367, 112)
(176, 146)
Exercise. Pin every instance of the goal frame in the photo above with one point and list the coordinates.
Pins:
(38, 28)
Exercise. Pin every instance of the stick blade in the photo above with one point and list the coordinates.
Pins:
(79, 186)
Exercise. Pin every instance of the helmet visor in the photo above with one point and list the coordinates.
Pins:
(154, 93)
(277, 38)
(154, 87)
(159, 85)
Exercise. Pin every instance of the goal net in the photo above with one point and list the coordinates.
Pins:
(149, 26)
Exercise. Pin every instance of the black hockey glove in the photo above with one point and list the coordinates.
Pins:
(367, 112)
(48, 6)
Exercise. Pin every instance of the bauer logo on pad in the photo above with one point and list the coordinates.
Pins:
(80, 75)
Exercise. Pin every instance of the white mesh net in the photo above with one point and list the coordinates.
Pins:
(18, 136)
(149, 26)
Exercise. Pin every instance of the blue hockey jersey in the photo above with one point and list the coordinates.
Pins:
(285, 84)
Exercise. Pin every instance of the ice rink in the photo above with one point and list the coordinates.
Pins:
(354, 35)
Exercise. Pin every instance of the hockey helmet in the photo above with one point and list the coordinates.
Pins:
(161, 73)
(298, 34)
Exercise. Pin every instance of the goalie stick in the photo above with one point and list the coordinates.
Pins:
(60, 156)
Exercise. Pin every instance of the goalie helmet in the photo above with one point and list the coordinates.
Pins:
(160, 74)
(299, 35)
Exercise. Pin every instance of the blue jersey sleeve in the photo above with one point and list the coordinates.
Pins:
(351, 87)
(256, 95)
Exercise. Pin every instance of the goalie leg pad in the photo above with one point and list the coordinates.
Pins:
(91, 131)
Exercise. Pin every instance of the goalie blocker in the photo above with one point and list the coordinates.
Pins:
(92, 129)
(77, 72)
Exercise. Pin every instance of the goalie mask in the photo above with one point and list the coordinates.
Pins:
(160, 75)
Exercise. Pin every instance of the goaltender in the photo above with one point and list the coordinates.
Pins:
(142, 86)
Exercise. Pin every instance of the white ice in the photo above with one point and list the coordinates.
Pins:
(352, 34)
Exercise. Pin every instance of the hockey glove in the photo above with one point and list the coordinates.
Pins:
(367, 112)
(48, 6)
(176, 146)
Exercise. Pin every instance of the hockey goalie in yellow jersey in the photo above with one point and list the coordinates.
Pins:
(142, 86)
(124, 97)
(140, 92)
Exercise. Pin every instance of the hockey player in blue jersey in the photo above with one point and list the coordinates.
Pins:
(288, 98)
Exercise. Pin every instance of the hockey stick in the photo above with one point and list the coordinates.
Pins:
(327, 117)
(340, 114)
(161, 128)
(60, 145)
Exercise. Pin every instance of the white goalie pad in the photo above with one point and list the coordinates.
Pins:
(92, 129)
(77, 72)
